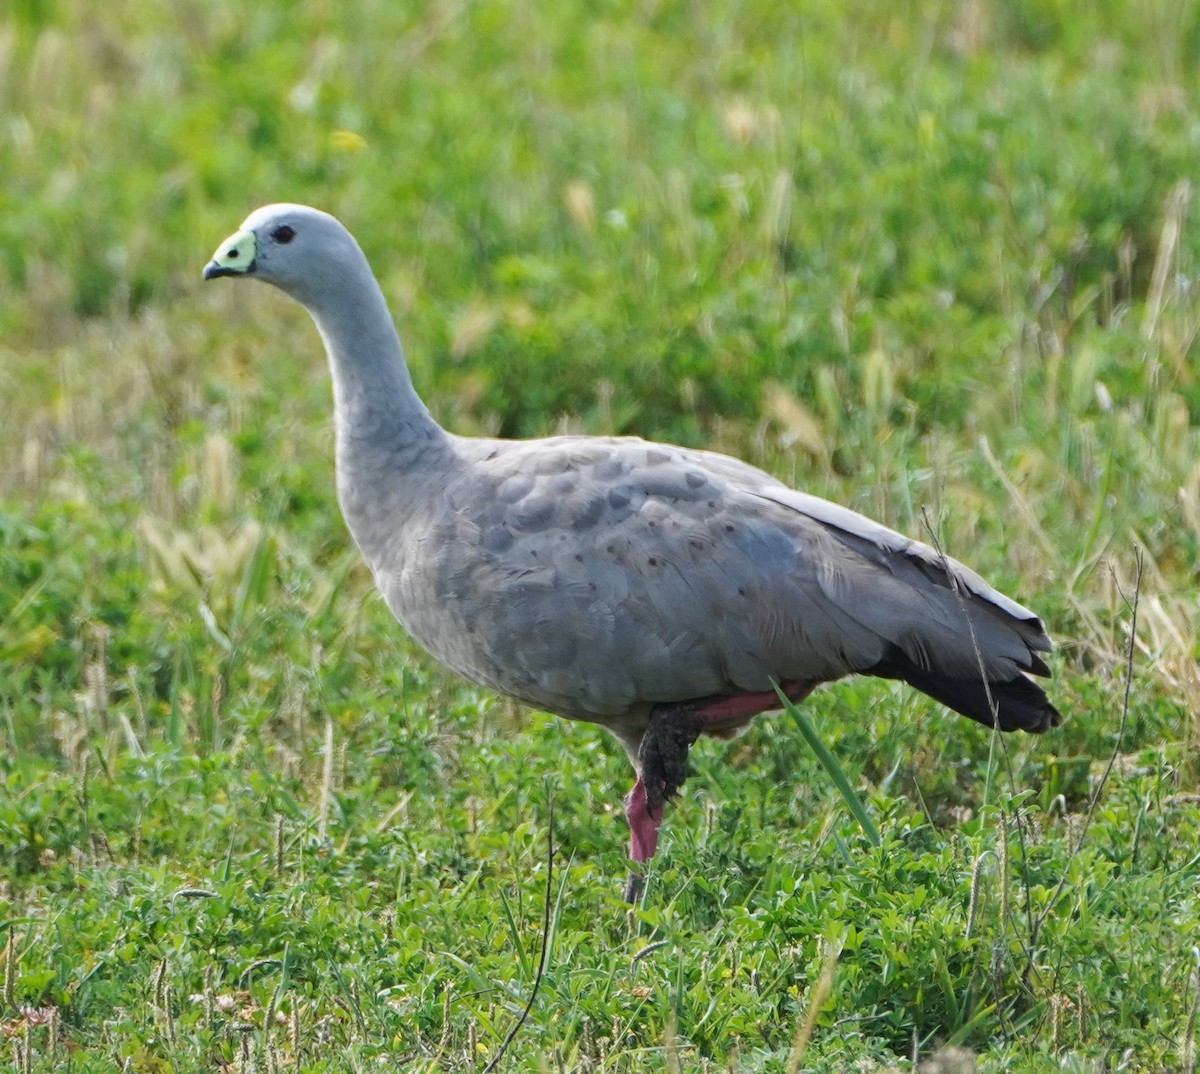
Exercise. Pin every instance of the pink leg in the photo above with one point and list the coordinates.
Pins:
(736, 709)
(643, 824)
(662, 759)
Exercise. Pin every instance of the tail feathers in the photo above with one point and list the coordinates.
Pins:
(1017, 704)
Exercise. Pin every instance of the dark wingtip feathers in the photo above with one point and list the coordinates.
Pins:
(1019, 704)
(1038, 666)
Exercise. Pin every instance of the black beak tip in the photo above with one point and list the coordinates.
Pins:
(213, 270)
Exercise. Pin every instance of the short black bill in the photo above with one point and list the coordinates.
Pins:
(212, 270)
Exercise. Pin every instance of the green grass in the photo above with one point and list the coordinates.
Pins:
(935, 261)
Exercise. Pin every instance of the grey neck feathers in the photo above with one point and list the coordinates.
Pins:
(376, 409)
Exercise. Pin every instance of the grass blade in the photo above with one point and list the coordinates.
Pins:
(853, 802)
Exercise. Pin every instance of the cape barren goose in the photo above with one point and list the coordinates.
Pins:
(651, 589)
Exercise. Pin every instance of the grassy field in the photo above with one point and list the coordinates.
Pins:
(934, 260)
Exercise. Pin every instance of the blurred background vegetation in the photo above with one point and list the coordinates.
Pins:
(934, 260)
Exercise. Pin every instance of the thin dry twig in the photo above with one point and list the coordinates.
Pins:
(326, 782)
(997, 741)
(1095, 626)
(537, 980)
(816, 1000)
(1094, 801)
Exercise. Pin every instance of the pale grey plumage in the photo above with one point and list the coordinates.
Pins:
(597, 577)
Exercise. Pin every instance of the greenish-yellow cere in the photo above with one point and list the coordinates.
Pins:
(237, 252)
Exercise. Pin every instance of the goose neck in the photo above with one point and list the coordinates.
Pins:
(375, 404)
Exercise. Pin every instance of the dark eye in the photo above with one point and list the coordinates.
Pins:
(283, 234)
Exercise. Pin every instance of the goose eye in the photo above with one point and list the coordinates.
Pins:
(283, 234)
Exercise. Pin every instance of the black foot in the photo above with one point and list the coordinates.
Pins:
(663, 754)
(635, 884)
